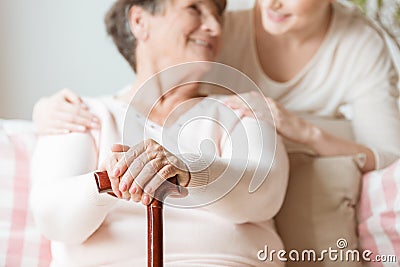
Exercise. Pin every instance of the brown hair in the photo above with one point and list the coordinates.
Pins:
(117, 24)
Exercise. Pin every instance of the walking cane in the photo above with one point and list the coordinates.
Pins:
(155, 249)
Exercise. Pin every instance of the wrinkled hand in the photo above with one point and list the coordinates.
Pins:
(117, 154)
(140, 170)
(62, 113)
(287, 124)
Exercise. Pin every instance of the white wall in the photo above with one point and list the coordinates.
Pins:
(238, 4)
(47, 45)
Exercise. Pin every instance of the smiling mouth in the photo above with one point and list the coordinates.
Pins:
(202, 43)
(277, 17)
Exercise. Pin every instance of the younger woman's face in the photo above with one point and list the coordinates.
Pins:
(286, 16)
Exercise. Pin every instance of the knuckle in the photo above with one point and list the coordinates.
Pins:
(166, 172)
(75, 111)
(132, 154)
(148, 142)
(173, 161)
(140, 164)
(154, 165)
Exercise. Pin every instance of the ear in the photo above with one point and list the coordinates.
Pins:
(139, 22)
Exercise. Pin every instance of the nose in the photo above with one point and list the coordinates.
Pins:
(211, 25)
(276, 4)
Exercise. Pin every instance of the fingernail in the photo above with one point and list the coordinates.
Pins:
(116, 172)
(133, 190)
(146, 200)
(122, 186)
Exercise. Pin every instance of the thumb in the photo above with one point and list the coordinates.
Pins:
(119, 148)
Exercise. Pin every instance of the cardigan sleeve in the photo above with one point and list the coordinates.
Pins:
(374, 95)
(64, 199)
(247, 182)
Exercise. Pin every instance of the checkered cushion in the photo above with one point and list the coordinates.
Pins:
(20, 242)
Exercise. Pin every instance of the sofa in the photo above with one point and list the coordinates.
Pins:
(328, 204)
(319, 211)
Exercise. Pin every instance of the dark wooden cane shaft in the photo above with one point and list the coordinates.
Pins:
(155, 245)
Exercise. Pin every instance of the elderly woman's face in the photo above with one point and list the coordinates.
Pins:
(187, 30)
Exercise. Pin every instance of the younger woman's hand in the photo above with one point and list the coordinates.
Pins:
(287, 124)
(64, 112)
(143, 168)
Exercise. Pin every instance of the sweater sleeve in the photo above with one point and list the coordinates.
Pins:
(374, 95)
(247, 183)
(64, 199)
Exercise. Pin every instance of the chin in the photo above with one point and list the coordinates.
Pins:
(274, 29)
(205, 57)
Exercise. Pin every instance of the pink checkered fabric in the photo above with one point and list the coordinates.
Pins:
(379, 213)
(20, 242)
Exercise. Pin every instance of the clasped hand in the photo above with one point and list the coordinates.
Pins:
(136, 172)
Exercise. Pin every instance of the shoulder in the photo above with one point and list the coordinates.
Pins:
(357, 45)
(355, 30)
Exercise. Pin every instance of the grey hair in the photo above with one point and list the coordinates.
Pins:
(118, 27)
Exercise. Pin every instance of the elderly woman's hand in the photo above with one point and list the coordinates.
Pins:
(64, 112)
(117, 154)
(141, 169)
(287, 124)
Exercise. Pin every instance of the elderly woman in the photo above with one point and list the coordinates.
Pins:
(230, 224)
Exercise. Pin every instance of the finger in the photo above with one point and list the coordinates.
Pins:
(132, 154)
(146, 199)
(74, 111)
(135, 168)
(68, 126)
(71, 96)
(112, 159)
(53, 131)
(114, 180)
(126, 196)
(233, 98)
(158, 179)
(246, 113)
(234, 105)
(167, 172)
(120, 148)
(115, 185)
(88, 122)
(148, 173)
(137, 195)
(163, 174)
